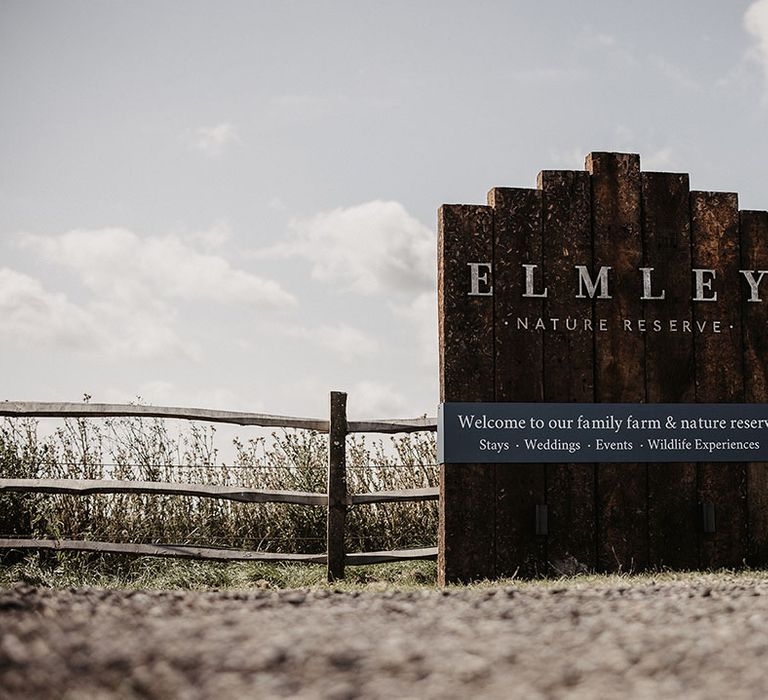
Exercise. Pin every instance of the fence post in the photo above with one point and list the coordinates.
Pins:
(337, 485)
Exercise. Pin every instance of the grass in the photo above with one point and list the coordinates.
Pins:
(73, 570)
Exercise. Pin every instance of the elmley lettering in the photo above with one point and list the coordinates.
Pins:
(588, 286)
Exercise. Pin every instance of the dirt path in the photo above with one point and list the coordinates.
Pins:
(703, 639)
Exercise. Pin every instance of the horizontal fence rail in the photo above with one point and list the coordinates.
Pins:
(336, 503)
(86, 487)
(159, 550)
(431, 493)
(40, 409)
(181, 551)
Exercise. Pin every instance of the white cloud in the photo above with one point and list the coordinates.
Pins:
(147, 331)
(348, 343)
(210, 239)
(369, 399)
(421, 313)
(375, 249)
(160, 392)
(213, 140)
(30, 315)
(134, 286)
(756, 23)
(371, 248)
(120, 266)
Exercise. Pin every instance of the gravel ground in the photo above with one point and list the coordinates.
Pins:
(702, 638)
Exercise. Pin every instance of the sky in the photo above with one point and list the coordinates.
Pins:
(233, 204)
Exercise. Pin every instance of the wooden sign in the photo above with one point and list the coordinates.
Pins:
(610, 285)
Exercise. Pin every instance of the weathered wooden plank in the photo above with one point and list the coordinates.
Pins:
(394, 425)
(622, 495)
(754, 256)
(104, 410)
(363, 558)
(191, 552)
(719, 367)
(160, 550)
(403, 495)
(669, 363)
(466, 533)
(568, 361)
(36, 409)
(84, 487)
(519, 374)
(517, 241)
(337, 485)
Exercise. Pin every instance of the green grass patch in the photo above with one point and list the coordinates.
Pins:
(75, 570)
(78, 570)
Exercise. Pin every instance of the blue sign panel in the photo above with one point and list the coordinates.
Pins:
(602, 432)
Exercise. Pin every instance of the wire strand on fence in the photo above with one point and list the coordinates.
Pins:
(294, 467)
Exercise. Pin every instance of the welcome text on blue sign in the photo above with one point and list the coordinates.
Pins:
(579, 432)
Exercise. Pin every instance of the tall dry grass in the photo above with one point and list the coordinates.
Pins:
(147, 450)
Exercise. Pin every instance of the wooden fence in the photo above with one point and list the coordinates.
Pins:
(337, 500)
